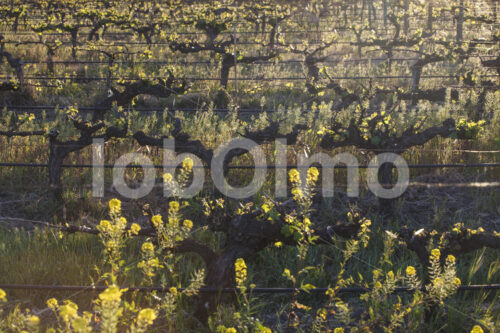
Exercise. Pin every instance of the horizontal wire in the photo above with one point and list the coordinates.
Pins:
(278, 290)
(472, 185)
(244, 167)
(207, 62)
(159, 109)
(311, 42)
(411, 19)
(386, 31)
(301, 78)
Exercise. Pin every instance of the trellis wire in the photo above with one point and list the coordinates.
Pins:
(243, 167)
(277, 290)
(207, 62)
(297, 78)
(248, 32)
(415, 18)
(312, 42)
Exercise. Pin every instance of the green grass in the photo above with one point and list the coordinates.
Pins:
(46, 257)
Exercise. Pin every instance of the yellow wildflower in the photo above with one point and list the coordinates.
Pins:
(312, 175)
(33, 320)
(147, 247)
(435, 254)
(297, 193)
(188, 164)
(147, 316)
(122, 222)
(410, 270)
(231, 330)
(111, 244)
(52, 303)
(135, 228)
(157, 221)
(457, 281)
(173, 291)
(477, 329)
(68, 311)
(294, 176)
(115, 206)
(338, 330)
(154, 263)
(167, 177)
(321, 313)
(240, 269)
(111, 294)
(174, 206)
(3, 295)
(390, 275)
(265, 207)
(450, 259)
(104, 225)
(307, 221)
(188, 224)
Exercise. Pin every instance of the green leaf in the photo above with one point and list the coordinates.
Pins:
(307, 287)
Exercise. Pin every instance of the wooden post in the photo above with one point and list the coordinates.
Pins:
(385, 13)
(430, 19)
(460, 22)
(235, 61)
(406, 24)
